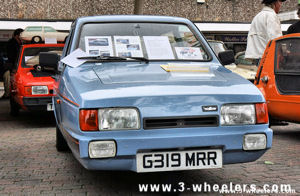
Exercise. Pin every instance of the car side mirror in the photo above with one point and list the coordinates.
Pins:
(226, 57)
(48, 61)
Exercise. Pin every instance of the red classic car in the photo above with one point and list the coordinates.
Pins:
(278, 77)
(31, 87)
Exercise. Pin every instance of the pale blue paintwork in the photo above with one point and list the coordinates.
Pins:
(155, 93)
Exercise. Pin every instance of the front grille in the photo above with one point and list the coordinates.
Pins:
(181, 122)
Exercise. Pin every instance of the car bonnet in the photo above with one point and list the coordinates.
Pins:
(135, 72)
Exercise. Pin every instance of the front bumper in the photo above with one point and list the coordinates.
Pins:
(229, 139)
(37, 103)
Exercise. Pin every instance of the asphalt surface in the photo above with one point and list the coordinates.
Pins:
(30, 165)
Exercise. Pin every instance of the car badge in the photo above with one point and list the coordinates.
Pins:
(210, 108)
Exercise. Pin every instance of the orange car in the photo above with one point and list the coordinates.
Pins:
(31, 87)
(278, 77)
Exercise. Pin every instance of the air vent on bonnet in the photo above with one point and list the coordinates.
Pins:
(181, 122)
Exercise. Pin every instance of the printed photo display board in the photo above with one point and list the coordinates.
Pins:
(157, 47)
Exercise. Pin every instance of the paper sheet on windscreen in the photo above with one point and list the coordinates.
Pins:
(128, 46)
(99, 45)
(188, 53)
(72, 59)
(158, 47)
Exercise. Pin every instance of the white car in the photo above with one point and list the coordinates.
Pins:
(37, 34)
(242, 66)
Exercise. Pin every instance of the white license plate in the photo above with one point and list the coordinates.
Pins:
(179, 160)
(49, 107)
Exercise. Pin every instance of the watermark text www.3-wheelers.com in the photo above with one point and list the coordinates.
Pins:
(216, 188)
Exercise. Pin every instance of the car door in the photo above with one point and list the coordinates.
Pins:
(287, 66)
(286, 90)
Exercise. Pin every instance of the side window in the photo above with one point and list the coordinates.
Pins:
(31, 29)
(49, 29)
(287, 56)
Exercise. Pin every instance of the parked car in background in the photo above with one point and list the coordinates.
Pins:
(245, 70)
(217, 46)
(31, 85)
(278, 77)
(244, 63)
(37, 34)
(169, 105)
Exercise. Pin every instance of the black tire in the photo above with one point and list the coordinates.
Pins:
(14, 107)
(61, 143)
(36, 39)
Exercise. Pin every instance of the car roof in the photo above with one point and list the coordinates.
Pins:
(132, 18)
(37, 26)
(32, 26)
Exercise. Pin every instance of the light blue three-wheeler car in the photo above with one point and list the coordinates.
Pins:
(147, 94)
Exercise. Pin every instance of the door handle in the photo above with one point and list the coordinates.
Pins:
(265, 79)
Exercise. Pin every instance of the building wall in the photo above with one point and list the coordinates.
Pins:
(212, 10)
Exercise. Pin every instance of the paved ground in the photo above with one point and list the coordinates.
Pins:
(30, 164)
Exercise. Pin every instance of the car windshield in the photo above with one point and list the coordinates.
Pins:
(31, 55)
(287, 58)
(153, 41)
(241, 60)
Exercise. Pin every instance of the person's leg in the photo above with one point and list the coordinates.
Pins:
(6, 81)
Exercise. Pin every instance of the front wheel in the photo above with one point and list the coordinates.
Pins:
(61, 143)
(14, 107)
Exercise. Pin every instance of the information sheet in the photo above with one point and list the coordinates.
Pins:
(158, 47)
(99, 45)
(72, 59)
(50, 40)
(188, 53)
(128, 46)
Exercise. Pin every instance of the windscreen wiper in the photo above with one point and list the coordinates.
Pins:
(139, 58)
(113, 58)
(102, 58)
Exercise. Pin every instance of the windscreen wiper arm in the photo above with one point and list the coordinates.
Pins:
(139, 58)
(102, 58)
(113, 58)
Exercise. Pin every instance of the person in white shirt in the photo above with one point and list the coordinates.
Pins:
(264, 27)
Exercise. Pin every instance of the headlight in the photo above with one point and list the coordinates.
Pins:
(118, 118)
(238, 114)
(39, 90)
